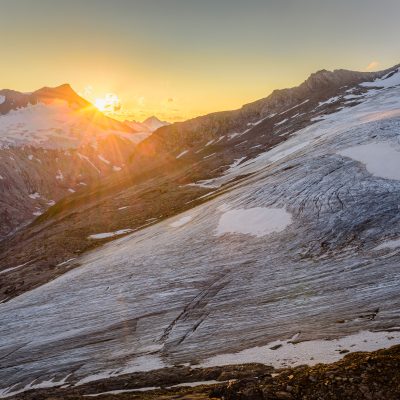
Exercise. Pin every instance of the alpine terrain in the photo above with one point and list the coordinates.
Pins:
(226, 256)
(52, 143)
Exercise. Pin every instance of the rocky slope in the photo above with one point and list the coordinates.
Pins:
(53, 143)
(359, 376)
(291, 234)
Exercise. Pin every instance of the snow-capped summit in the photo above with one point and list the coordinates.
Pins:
(13, 100)
(54, 118)
(52, 143)
(154, 123)
(149, 125)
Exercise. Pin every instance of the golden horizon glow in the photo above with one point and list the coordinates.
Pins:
(180, 59)
(108, 104)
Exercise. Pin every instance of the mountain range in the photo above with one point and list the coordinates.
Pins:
(53, 143)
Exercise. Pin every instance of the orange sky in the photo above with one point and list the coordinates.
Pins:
(182, 58)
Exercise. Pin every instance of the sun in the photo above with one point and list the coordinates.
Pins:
(109, 104)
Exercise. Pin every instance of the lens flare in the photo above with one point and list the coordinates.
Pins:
(108, 104)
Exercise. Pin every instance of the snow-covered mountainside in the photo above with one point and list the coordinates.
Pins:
(290, 231)
(54, 118)
(52, 143)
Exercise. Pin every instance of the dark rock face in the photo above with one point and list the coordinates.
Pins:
(358, 376)
(34, 179)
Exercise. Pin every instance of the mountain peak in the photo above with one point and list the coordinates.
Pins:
(340, 77)
(62, 92)
(154, 123)
(150, 124)
(151, 118)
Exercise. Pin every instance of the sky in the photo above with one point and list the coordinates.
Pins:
(181, 58)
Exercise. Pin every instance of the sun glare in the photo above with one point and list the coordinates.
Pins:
(108, 104)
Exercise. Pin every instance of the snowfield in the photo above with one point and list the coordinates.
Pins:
(51, 126)
(380, 159)
(256, 221)
(284, 353)
(289, 251)
(389, 244)
(180, 222)
(387, 81)
(105, 235)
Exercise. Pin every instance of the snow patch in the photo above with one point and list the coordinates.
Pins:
(12, 268)
(65, 262)
(329, 101)
(34, 196)
(103, 159)
(198, 383)
(389, 244)
(380, 159)
(389, 80)
(210, 155)
(311, 352)
(257, 221)
(7, 392)
(181, 221)
(145, 389)
(292, 108)
(182, 154)
(281, 122)
(205, 183)
(109, 234)
(82, 157)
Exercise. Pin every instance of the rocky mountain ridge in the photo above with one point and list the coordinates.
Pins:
(53, 143)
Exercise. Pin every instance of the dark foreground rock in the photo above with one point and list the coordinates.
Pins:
(371, 376)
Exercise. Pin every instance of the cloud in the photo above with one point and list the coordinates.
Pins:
(372, 65)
